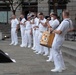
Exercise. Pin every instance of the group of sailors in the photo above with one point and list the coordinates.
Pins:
(32, 29)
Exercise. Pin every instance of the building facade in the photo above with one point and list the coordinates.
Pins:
(4, 11)
(71, 6)
(45, 6)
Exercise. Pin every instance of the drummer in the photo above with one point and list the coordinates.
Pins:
(60, 32)
(42, 28)
(53, 24)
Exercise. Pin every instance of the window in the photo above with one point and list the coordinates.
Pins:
(4, 11)
(4, 16)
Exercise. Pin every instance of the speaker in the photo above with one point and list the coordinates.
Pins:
(4, 58)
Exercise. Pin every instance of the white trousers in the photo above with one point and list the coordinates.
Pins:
(28, 38)
(57, 54)
(14, 37)
(23, 36)
(34, 38)
(50, 54)
(42, 49)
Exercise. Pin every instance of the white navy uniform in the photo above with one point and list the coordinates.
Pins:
(50, 22)
(42, 49)
(14, 38)
(22, 28)
(58, 42)
(54, 24)
(34, 31)
(36, 34)
(28, 37)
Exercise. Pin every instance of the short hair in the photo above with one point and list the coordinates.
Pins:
(66, 12)
(41, 13)
(55, 14)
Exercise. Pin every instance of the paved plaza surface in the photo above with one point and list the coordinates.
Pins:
(28, 63)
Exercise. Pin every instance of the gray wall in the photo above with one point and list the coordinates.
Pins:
(71, 6)
(43, 6)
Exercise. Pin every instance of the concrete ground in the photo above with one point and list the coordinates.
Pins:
(28, 63)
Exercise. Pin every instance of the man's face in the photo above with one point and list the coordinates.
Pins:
(51, 15)
(21, 16)
(34, 15)
(41, 17)
(28, 18)
(13, 17)
(38, 15)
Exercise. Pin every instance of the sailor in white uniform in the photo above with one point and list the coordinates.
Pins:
(51, 16)
(42, 28)
(60, 33)
(35, 22)
(33, 31)
(36, 27)
(28, 32)
(53, 24)
(22, 28)
(14, 27)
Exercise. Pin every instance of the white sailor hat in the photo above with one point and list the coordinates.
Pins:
(51, 13)
(28, 15)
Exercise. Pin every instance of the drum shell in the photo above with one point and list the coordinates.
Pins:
(47, 39)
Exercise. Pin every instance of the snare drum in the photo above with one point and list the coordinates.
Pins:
(47, 39)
